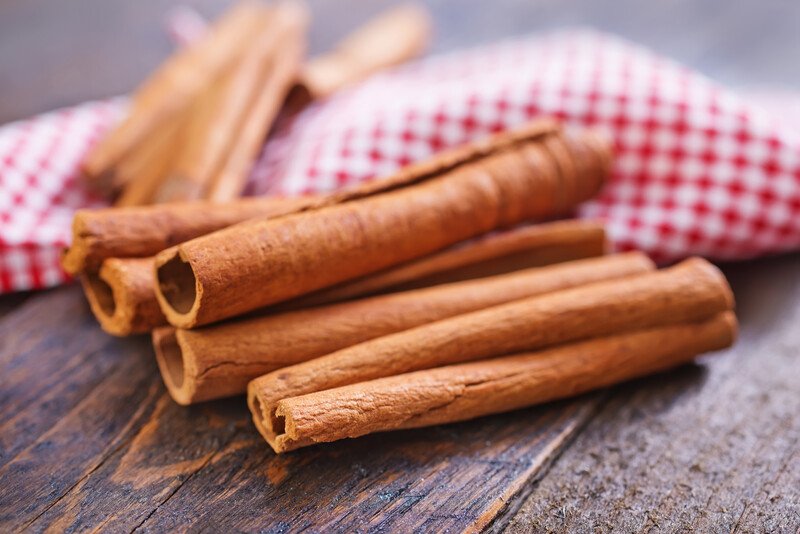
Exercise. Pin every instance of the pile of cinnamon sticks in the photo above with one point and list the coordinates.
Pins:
(196, 126)
(451, 290)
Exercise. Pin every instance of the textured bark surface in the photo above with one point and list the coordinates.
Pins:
(455, 195)
(690, 291)
(468, 391)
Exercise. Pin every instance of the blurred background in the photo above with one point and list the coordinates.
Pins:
(54, 54)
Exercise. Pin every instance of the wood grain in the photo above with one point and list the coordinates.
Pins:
(452, 478)
(712, 447)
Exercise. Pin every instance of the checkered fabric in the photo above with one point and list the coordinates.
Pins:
(699, 168)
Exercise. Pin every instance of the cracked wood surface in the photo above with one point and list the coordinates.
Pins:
(89, 439)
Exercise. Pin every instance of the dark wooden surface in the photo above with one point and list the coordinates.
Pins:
(90, 440)
(711, 448)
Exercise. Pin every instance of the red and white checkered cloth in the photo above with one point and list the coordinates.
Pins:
(700, 169)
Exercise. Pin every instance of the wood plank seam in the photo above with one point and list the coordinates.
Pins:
(595, 403)
(10, 421)
(108, 454)
(185, 480)
(77, 482)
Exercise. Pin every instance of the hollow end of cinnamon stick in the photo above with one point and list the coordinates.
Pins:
(121, 298)
(170, 357)
(268, 417)
(177, 288)
(100, 296)
(260, 413)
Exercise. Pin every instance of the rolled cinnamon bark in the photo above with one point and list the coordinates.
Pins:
(170, 88)
(389, 39)
(495, 253)
(219, 360)
(460, 392)
(121, 296)
(405, 217)
(690, 291)
(143, 231)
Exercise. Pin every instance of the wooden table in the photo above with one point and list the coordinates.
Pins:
(89, 439)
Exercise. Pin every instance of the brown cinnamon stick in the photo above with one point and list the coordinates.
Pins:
(495, 253)
(219, 360)
(690, 291)
(454, 197)
(121, 296)
(391, 38)
(171, 88)
(144, 231)
(460, 392)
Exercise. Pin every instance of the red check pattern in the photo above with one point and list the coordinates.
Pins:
(700, 169)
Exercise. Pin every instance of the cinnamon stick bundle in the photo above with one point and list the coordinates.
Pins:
(461, 392)
(195, 126)
(144, 231)
(219, 360)
(455, 196)
(690, 291)
(230, 117)
(125, 286)
(171, 88)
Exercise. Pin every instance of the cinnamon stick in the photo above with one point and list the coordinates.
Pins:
(417, 212)
(219, 360)
(171, 87)
(690, 291)
(495, 253)
(393, 37)
(144, 231)
(121, 296)
(466, 391)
